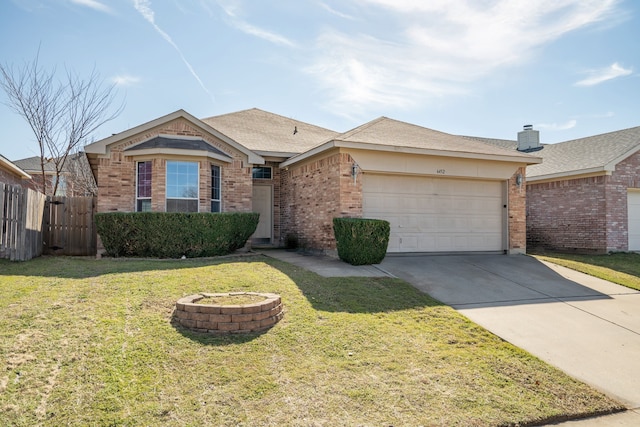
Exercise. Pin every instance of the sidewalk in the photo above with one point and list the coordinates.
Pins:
(324, 265)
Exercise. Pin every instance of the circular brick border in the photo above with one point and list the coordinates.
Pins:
(215, 318)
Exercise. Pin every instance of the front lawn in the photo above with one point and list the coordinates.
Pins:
(620, 268)
(90, 342)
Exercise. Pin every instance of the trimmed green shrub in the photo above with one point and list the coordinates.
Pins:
(172, 235)
(361, 241)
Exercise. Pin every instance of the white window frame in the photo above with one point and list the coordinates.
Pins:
(166, 181)
(219, 199)
(138, 198)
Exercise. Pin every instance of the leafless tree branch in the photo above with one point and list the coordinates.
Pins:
(61, 113)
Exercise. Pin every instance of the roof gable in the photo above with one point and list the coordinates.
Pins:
(102, 146)
(268, 133)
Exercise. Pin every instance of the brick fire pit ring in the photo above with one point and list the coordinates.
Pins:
(225, 318)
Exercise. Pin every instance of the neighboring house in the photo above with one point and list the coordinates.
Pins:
(75, 178)
(12, 174)
(440, 192)
(585, 195)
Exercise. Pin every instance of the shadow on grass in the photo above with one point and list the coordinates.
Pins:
(67, 267)
(339, 294)
(354, 294)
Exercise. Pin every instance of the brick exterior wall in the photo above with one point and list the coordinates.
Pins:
(315, 192)
(584, 214)
(311, 199)
(567, 215)
(116, 174)
(517, 206)
(9, 178)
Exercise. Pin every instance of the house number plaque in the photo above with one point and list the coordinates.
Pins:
(440, 171)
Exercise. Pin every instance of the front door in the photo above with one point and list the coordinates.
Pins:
(263, 204)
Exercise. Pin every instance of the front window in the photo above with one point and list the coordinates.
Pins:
(143, 187)
(182, 186)
(215, 188)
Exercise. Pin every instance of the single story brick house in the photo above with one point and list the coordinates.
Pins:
(12, 174)
(585, 195)
(440, 192)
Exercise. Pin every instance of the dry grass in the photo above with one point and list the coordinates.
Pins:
(231, 299)
(620, 268)
(86, 342)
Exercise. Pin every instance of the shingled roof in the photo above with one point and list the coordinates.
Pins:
(268, 133)
(385, 134)
(599, 153)
(32, 165)
(390, 132)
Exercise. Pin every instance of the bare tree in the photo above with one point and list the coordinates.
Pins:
(80, 180)
(61, 113)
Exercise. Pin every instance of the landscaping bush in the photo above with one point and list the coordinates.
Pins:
(361, 241)
(172, 235)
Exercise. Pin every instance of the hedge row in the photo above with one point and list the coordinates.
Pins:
(173, 235)
(361, 241)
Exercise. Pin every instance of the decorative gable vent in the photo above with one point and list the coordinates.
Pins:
(529, 139)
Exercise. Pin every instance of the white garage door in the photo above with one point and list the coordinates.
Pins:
(633, 211)
(436, 214)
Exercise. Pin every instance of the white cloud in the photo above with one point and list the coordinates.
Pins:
(125, 80)
(602, 75)
(437, 48)
(557, 126)
(144, 8)
(336, 12)
(263, 34)
(233, 11)
(93, 4)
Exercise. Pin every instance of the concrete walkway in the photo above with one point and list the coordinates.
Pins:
(589, 328)
(323, 265)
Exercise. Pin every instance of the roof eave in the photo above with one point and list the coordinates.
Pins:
(309, 153)
(527, 159)
(12, 167)
(611, 165)
(279, 154)
(600, 170)
(177, 152)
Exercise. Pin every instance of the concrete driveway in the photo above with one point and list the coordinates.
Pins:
(585, 326)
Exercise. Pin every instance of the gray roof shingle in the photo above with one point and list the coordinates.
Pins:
(592, 153)
(263, 132)
(177, 143)
(389, 132)
(32, 165)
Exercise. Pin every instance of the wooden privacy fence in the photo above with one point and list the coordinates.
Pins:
(69, 228)
(21, 214)
(32, 224)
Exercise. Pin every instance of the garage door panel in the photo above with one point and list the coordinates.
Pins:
(429, 214)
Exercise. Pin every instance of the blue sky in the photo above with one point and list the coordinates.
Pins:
(472, 67)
